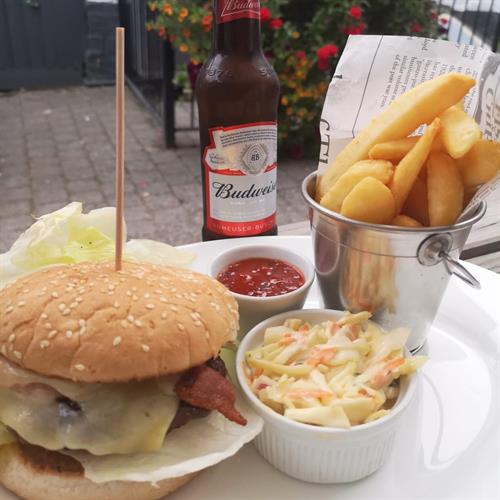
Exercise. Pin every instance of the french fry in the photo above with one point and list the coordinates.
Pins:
(459, 131)
(399, 119)
(379, 169)
(396, 150)
(480, 164)
(409, 167)
(369, 201)
(405, 221)
(445, 191)
(416, 203)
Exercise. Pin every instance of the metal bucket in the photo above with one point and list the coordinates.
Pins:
(399, 274)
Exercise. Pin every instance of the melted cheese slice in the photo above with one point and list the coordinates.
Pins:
(114, 418)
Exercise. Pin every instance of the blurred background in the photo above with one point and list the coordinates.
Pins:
(57, 96)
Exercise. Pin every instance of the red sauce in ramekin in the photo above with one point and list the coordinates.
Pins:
(261, 277)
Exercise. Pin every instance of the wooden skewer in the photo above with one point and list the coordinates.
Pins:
(120, 144)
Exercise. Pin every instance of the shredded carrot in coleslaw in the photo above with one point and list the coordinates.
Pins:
(349, 365)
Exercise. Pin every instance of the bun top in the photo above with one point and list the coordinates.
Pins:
(89, 323)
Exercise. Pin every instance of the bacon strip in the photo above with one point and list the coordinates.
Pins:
(206, 388)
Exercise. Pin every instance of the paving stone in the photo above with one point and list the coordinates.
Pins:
(58, 146)
(8, 209)
(77, 186)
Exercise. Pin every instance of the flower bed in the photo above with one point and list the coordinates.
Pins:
(302, 41)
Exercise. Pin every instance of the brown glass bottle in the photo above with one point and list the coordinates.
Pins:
(237, 93)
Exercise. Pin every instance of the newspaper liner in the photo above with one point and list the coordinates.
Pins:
(374, 70)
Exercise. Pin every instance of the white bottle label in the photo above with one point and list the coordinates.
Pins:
(240, 176)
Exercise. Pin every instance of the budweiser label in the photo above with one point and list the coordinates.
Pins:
(240, 176)
(230, 10)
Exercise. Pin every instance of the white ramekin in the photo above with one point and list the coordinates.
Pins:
(253, 310)
(321, 454)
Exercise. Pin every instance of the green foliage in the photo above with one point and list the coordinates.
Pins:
(302, 40)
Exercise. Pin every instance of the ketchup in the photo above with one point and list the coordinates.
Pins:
(261, 277)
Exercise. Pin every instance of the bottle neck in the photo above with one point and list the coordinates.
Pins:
(240, 35)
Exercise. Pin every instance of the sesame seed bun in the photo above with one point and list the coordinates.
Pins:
(88, 323)
(29, 480)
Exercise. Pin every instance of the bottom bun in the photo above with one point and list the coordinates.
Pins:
(30, 481)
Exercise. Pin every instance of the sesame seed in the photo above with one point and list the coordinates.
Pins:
(54, 282)
(9, 309)
(150, 306)
(134, 297)
(52, 334)
(130, 318)
(173, 290)
(123, 323)
(80, 367)
(146, 295)
(55, 295)
(173, 308)
(138, 322)
(69, 334)
(26, 290)
(78, 299)
(43, 316)
(111, 287)
(12, 337)
(134, 289)
(158, 292)
(194, 316)
(81, 323)
(145, 348)
(129, 293)
(21, 303)
(198, 323)
(18, 355)
(117, 341)
(164, 315)
(180, 327)
(66, 312)
(44, 289)
(40, 294)
(82, 331)
(44, 344)
(62, 306)
(3, 350)
(47, 325)
(163, 299)
(81, 290)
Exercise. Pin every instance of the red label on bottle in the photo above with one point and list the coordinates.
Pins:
(240, 179)
(230, 10)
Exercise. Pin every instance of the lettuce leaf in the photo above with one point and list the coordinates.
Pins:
(68, 235)
(199, 444)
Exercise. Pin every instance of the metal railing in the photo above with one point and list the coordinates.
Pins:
(150, 65)
(475, 22)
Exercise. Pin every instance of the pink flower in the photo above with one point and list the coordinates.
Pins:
(327, 51)
(355, 12)
(265, 14)
(416, 28)
(275, 24)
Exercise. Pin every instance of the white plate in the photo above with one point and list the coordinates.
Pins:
(448, 447)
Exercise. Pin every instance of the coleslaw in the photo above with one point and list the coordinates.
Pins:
(336, 373)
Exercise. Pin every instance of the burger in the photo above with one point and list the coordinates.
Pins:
(98, 365)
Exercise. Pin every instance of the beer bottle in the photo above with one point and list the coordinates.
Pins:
(237, 93)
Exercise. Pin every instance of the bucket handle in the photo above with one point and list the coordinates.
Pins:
(435, 248)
